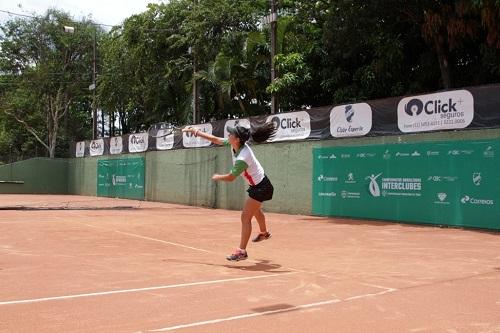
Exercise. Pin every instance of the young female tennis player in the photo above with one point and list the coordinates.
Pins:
(244, 162)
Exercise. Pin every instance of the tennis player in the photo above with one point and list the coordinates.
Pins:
(244, 163)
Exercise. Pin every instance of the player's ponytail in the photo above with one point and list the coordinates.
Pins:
(263, 133)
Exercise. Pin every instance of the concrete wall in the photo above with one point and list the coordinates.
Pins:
(184, 176)
(82, 173)
(40, 175)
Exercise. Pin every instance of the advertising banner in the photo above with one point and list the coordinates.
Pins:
(165, 142)
(350, 120)
(116, 145)
(138, 143)
(464, 109)
(80, 149)
(97, 147)
(121, 178)
(291, 126)
(445, 183)
(446, 110)
(191, 141)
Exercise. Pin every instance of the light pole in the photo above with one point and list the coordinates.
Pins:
(196, 90)
(92, 87)
(274, 29)
(272, 21)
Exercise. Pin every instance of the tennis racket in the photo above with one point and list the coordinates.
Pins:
(160, 130)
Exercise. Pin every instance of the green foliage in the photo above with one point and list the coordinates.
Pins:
(328, 52)
(45, 74)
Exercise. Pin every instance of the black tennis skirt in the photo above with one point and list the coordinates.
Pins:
(263, 191)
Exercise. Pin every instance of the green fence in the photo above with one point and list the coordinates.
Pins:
(36, 175)
(121, 178)
(184, 175)
(446, 183)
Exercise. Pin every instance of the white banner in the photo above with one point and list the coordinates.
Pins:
(291, 126)
(191, 141)
(164, 142)
(234, 123)
(138, 143)
(97, 147)
(80, 149)
(433, 112)
(350, 120)
(116, 145)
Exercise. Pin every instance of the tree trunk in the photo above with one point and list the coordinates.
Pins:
(112, 124)
(102, 125)
(219, 100)
(443, 63)
(123, 122)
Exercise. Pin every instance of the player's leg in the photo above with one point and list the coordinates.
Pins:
(249, 210)
(263, 192)
(261, 220)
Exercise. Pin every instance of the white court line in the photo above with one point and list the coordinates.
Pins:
(45, 299)
(183, 246)
(386, 291)
(248, 315)
(150, 238)
(165, 242)
(298, 307)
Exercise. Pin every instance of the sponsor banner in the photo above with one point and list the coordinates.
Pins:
(80, 149)
(234, 123)
(291, 126)
(138, 143)
(489, 152)
(121, 178)
(350, 120)
(191, 141)
(476, 201)
(444, 183)
(323, 178)
(410, 187)
(442, 199)
(116, 145)
(473, 108)
(439, 111)
(97, 147)
(165, 142)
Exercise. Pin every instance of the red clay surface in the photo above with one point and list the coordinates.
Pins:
(162, 267)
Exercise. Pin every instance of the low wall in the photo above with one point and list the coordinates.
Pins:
(184, 176)
(36, 175)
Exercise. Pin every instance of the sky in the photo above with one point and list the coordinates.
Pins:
(111, 12)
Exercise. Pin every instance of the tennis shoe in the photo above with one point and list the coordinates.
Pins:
(261, 236)
(238, 255)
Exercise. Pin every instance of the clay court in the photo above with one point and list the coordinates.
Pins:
(86, 264)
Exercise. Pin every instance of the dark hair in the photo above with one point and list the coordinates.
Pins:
(262, 133)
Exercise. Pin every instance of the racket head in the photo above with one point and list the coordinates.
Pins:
(160, 130)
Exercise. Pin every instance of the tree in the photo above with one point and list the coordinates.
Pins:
(49, 71)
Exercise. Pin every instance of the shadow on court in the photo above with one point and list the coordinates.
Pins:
(257, 265)
(276, 308)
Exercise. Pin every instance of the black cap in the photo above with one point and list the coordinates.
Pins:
(241, 132)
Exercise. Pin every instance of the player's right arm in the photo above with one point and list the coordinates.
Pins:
(197, 132)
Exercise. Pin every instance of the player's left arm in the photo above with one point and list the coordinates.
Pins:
(238, 168)
(225, 178)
